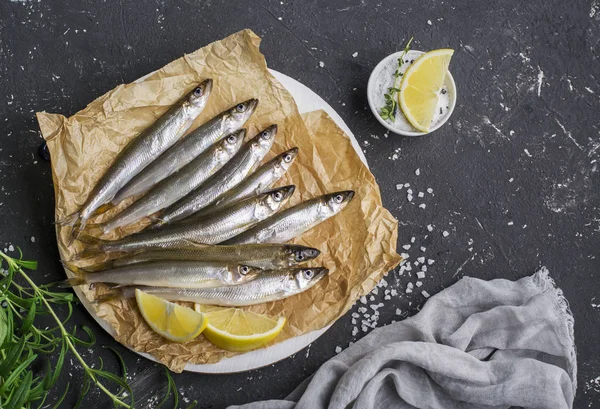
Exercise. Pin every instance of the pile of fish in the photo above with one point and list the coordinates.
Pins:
(218, 232)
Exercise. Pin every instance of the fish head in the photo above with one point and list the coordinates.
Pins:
(283, 161)
(333, 203)
(271, 201)
(230, 144)
(301, 279)
(261, 143)
(237, 115)
(242, 273)
(199, 95)
(297, 254)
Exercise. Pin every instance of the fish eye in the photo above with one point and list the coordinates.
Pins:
(309, 274)
(231, 139)
(287, 157)
(198, 91)
(244, 269)
(339, 198)
(277, 195)
(265, 134)
(299, 256)
(240, 107)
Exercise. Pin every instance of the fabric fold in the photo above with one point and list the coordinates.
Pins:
(477, 344)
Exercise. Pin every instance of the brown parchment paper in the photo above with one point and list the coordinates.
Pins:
(358, 245)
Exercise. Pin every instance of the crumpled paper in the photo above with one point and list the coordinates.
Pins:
(358, 245)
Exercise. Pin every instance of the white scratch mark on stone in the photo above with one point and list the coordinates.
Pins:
(527, 153)
(540, 81)
(568, 134)
(588, 89)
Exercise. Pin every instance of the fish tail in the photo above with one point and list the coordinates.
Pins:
(94, 247)
(94, 268)
(91, 240)
(69, 220)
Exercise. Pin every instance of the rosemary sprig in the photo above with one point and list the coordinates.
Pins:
(22, 343)
(389, 110)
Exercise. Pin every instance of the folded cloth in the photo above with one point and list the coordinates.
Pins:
(478, 344)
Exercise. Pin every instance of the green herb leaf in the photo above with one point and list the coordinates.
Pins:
(19, 397)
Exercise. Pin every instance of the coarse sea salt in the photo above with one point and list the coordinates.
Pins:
(445, 233)
(420, 274)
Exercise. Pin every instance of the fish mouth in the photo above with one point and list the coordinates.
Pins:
(293, 152)
(287, 191)
(252, 104)
(320, 272)
(207, 85)
(311, 253)
(347, 195)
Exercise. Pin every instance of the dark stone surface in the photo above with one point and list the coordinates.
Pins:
(514, 172)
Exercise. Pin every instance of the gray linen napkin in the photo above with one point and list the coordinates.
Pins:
(478, 344)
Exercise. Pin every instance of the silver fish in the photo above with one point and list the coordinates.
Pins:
(229, 176)
(176, 186)
(268, 286)
(257, 182)
(296, 220)
(220, 227)
(265, 256)
(167, 273)
(140, 152)
(189, 147)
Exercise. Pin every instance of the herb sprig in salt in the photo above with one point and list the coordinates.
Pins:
(389, 110)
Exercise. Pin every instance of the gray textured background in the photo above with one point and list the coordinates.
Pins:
(514, 172)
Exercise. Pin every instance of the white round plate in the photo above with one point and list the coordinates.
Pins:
(307, 101)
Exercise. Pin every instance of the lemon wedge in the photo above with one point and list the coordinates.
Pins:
(420, 86)
(234, 329)
(172, 321)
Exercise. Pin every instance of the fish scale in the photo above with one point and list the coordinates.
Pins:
(176, 186)
(228, 177)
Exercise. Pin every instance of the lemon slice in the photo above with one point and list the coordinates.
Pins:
(420, 86)
(172, 321)
(237, 330)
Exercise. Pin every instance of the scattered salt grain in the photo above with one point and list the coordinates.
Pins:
(421, 194)
(429, 190)
(425, 294)
(429, 22)
(355, 54)
(398, 311)
(32, 239)
(363, 299)
(409, 285)
(412, 239)
(423, 249)
(394, 292)
(405, 256)
(355, 315)
(406, 247)
(409, 197)
(408, 291)
(430, 261)
(421, 259)
(420, 274)
(375, 291)
(400, 186)
(409, 191)
(511, 180)
(422, 205)
(445, 233)
(429, 227)
(418, 172)
(510, 223)
(424, 268)
(321, 64)
(11, 248)
(371, 298)
(407, 185)
(387, 297)
(362, 310)
(418, 283)
(354, 331)
(527, 153)
(338, 350)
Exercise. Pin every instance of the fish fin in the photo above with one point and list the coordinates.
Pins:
(95, 246)
(115, 293)
(87, 253)
(70, 282)
(90, 240)
(104, 208)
